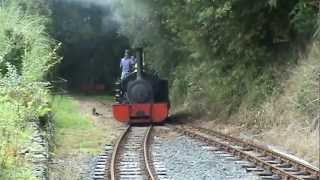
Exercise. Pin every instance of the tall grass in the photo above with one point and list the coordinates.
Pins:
(67, 114)
(75, 131)
(291, 116)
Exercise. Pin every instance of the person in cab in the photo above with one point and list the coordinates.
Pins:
(127, 63)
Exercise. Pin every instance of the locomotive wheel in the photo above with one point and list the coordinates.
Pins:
(140, 91)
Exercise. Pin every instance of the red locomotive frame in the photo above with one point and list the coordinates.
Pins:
(141, 113)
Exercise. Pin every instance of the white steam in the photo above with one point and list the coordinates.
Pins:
(108, 5)
(130, 16)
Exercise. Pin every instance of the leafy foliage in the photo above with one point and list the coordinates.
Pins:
(26, 55)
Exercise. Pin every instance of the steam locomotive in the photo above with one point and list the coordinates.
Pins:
(141, 97)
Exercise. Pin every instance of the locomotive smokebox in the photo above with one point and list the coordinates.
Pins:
(140, 90)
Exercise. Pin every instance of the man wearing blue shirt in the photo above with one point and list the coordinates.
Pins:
(126, 65)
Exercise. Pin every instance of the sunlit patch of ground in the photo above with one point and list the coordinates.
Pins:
(81, 134)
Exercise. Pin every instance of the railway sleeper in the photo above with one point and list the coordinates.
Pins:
(100, 166)
(246, 149)
(103, 159)
(273, 162)
(103, 156)
(285, 165)
(157, 163)
(162, 171)
(247, 165)
(310, 177)
(274, 177)
(125, 163)
(220, 152)
(99, 170)
(264, 173)
(255, 169)
(262, 156)
(232, 158)
(291, 169)
(132, 177)
(100, 163)
(300, 173)
(99, 173)
(163, 177)
(131, 173)
(130, 169)
(210, 148)
(97, 177)
(268, 158)
(225, 155)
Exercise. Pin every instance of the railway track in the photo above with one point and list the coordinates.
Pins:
(264, 162)
(131, 157)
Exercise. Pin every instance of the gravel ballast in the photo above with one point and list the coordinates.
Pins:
(186, 158)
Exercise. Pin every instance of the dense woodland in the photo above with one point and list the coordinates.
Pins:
(91, 46)
(257, 59)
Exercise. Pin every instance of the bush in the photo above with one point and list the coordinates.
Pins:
(26, 55)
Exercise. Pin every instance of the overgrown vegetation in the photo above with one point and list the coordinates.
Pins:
(292, 114)
(26, 55)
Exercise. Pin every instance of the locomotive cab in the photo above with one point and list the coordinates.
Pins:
(142, 97)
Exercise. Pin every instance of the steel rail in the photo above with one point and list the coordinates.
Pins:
(147, 154)
(243, 154)
(115, 152)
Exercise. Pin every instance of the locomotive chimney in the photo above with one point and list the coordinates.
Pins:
(140, 58)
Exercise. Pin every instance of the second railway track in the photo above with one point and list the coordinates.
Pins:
(266, 163)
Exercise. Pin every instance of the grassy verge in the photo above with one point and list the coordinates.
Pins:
(80, 134)
(74, 131)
